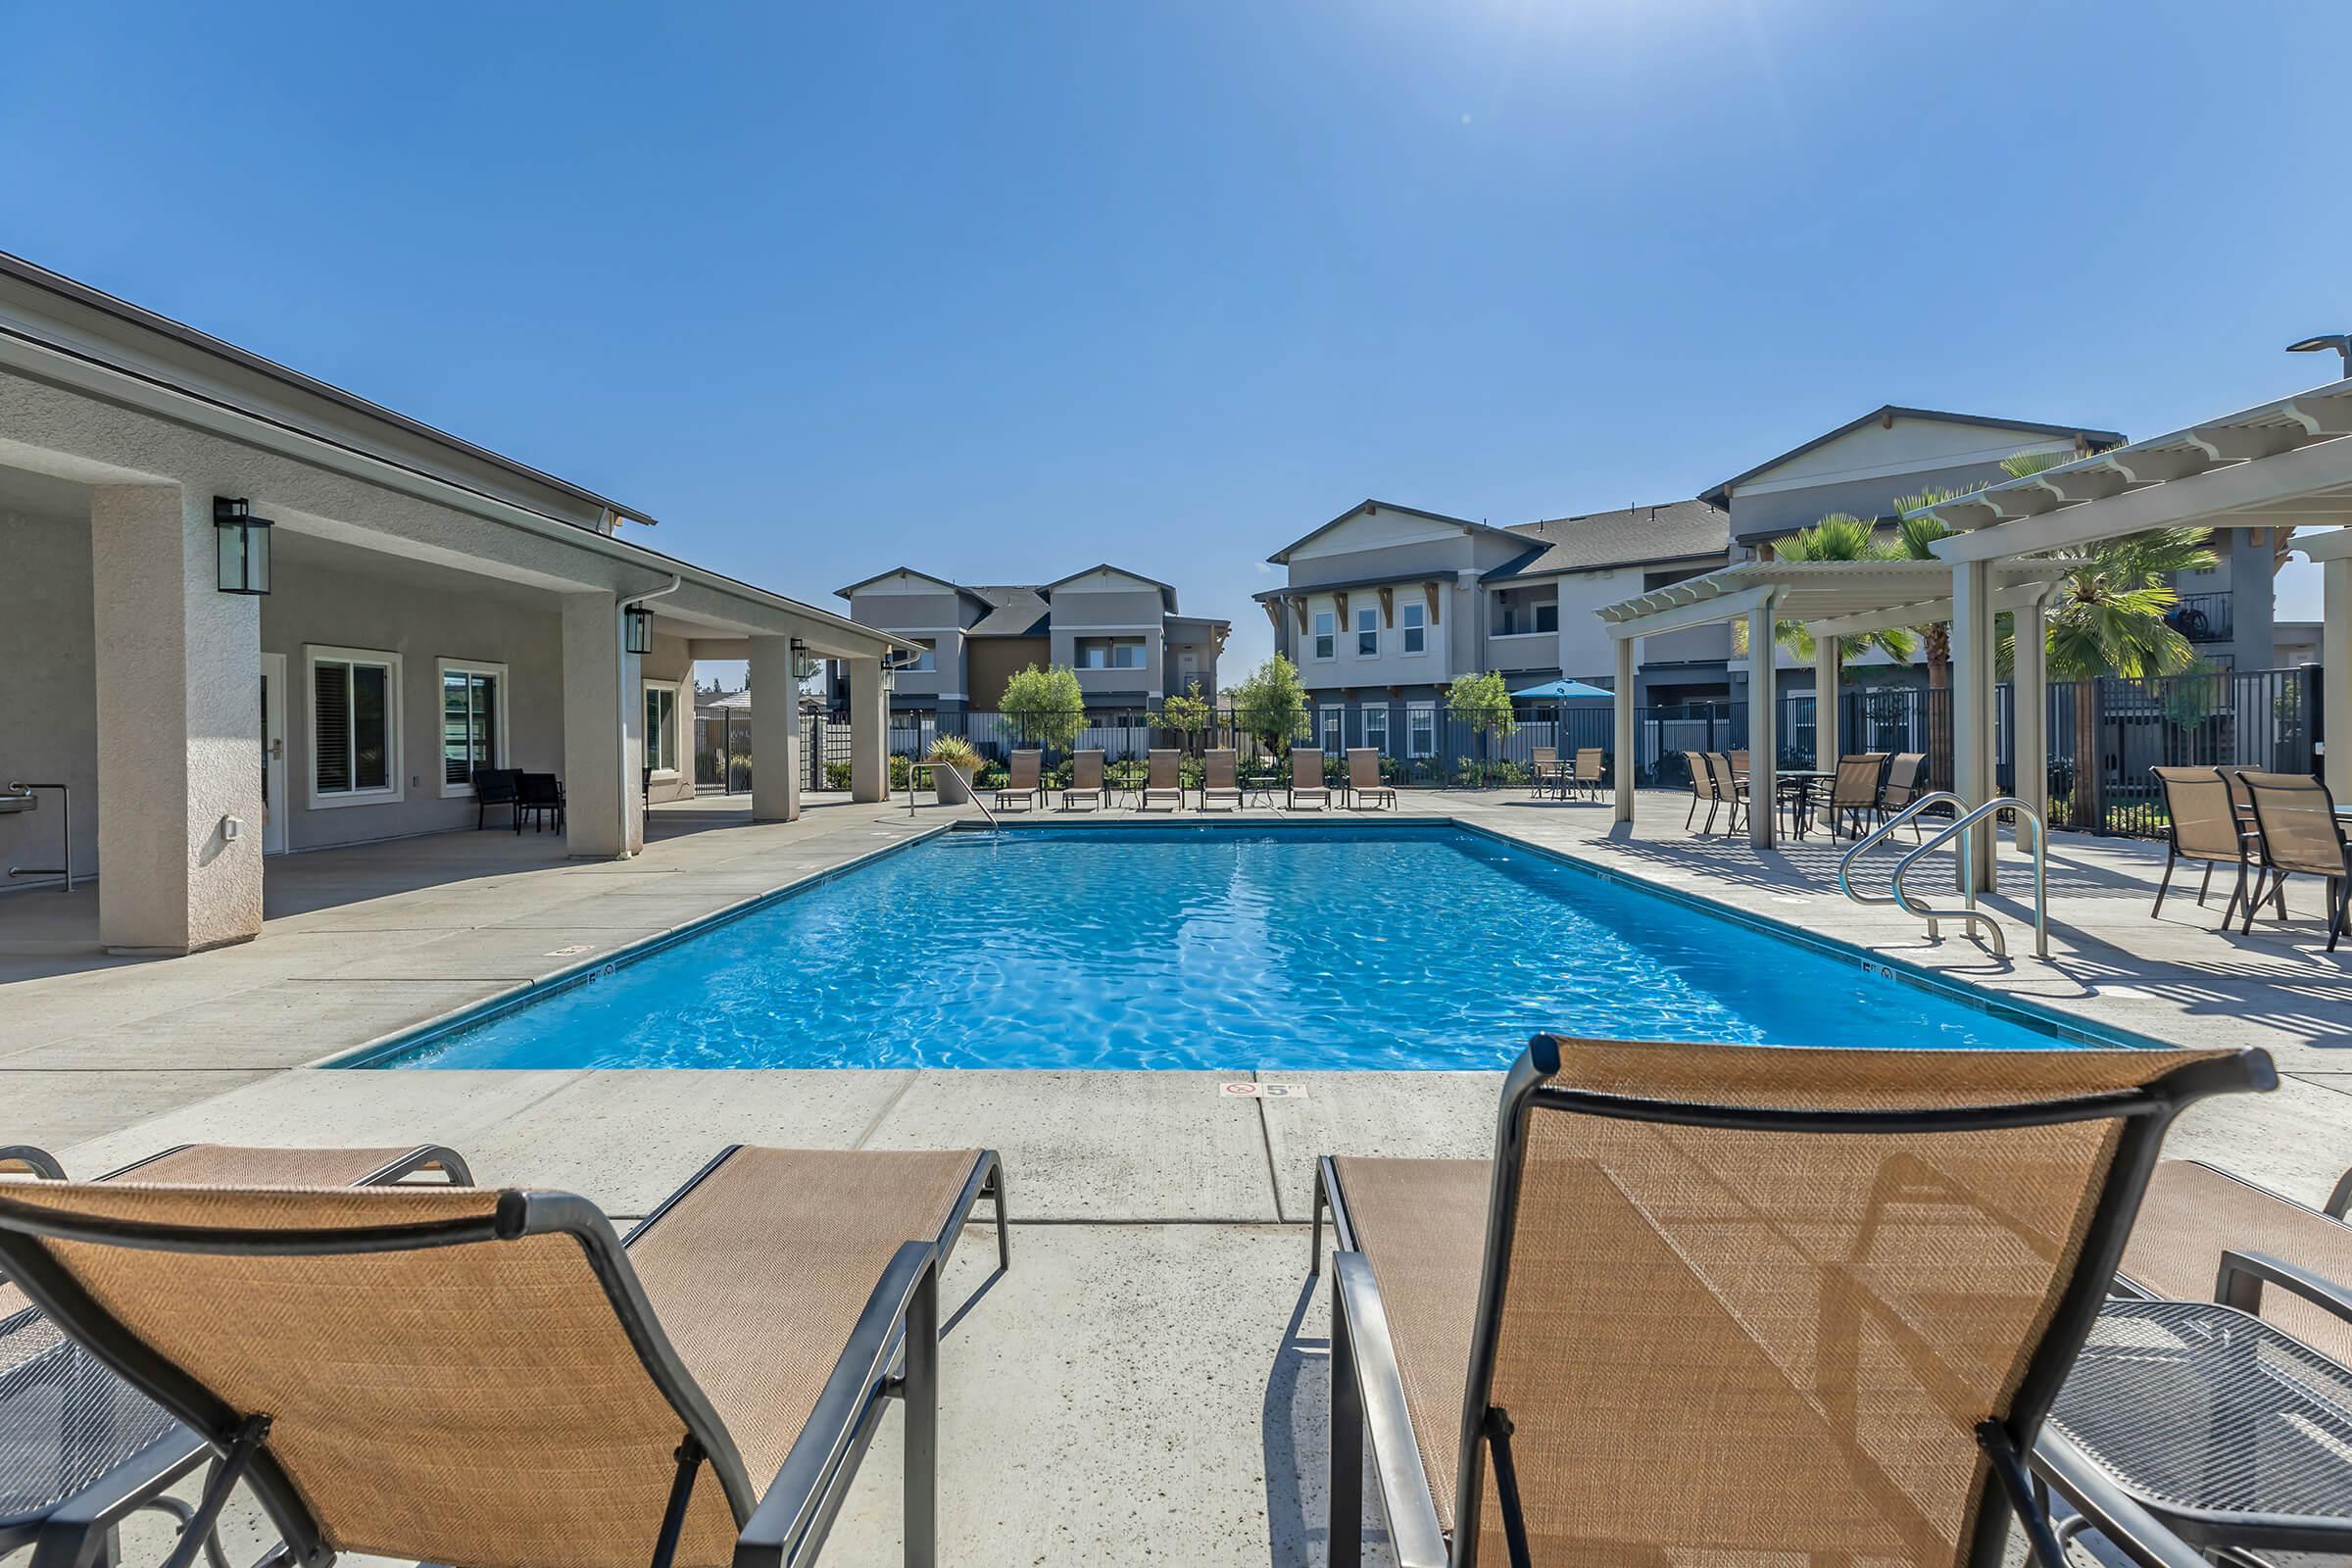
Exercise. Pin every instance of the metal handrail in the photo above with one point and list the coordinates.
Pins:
(1963, 827)
(971, 793)
(64, 870)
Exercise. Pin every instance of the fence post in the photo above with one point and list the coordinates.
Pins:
(2091, 752)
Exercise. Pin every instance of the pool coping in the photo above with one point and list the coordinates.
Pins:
(2033, 1014)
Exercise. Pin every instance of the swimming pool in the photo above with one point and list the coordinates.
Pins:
(1408, 946)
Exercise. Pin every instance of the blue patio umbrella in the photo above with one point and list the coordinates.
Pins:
(1554, 689)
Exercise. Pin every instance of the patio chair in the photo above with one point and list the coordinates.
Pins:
(1702, 790)
(1854, 791)
(1738, 762)
(1086, 782)
(497, 786)
(1586, 774)
(1544, 771)
(1731, 788)
(2202, 825)
(1163, 781)
(2197, 1217)
(1738, 1304)
(2299, 834)
(1902, 785)
(1219, 781)
(85, 1450)
(483, 1376)
(1023, 780)
(1307, 780)
(540, 797)
(1363, 781)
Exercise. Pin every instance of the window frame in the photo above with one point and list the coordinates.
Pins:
(1326, 634)
(1332, 714)
(666, 770)
(1379, 710)
(1111, 647)
(395, 790)
(1367, 625)
(1413, 622)
(929, 662)
(1536, 613)
(1420, 711)
(444, 669)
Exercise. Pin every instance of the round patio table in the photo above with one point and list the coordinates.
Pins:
(2231, 1431)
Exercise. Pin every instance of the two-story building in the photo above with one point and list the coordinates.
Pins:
(1385, 605)
(1122, 633)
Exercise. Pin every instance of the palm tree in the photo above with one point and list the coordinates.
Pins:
(1838, 536)
(1917, 537)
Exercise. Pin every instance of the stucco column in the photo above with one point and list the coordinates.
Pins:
(1829, 661)
(1621, 765)
(2030, 695)
(180, 729)
(775, 732)
(603, 717)
(1971, 710)
(869, 732)
(2335, 684)
(1763, 739)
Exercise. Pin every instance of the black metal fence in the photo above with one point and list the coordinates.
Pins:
(2248, 719)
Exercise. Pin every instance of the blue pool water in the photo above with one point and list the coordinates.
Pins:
(1226, 948)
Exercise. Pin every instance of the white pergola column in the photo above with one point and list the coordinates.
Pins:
(1829, 662)
(180, 736)
(1972, 710)
(1763, 743)
(1622, 713)
(776, 742)
(604, 716)
(2029, 691)
(869, 732)
(2335, 679)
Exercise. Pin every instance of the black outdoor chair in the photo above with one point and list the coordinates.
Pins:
(497, 786)
(541, 798)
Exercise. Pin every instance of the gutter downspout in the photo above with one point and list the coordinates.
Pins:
(621, 715)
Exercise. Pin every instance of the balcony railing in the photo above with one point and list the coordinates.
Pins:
(2202, 617)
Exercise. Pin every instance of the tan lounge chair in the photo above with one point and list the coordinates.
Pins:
(1854, 791)
(2203, 1232)
(1586, 775)
(85, 1450)
(1731, 789)
(1163, 782)
(1902, 785)
(483, 1376)
(1545, 773)
(1086, 782)
(1363, 781)
(1219, 781)
(1307, 780)
(1702, 789)
(2202, 825)
(1740, 1304)
(2299, 836)
(1023, 781)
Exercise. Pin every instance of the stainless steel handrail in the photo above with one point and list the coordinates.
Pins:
(971, 792)
(1963, 827)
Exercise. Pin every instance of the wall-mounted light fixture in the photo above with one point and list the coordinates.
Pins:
(803, 667)
(637, 630)
(241, 546)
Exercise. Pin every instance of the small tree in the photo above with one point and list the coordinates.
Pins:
(1484, 702)
(1188, 714)
(1046, 705)
(1270, 703)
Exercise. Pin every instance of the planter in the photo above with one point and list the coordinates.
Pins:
(954, 785)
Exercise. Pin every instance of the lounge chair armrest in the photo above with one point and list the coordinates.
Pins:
(794, 1504)
(2113, 1512)
(2241, 1277)
(1414, 1534)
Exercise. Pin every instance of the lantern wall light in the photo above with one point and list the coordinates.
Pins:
(241, 546)
(638, 627)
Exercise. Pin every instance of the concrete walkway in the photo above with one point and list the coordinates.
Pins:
(1148, 1383)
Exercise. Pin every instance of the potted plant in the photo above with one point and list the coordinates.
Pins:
(959, 762)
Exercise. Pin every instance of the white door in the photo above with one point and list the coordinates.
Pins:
(274, 753)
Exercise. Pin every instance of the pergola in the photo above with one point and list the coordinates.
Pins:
(1832, 600)
(2280, 466)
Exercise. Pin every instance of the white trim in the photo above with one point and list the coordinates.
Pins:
(1405, 628)
(395, 711)
(470, 667)
(666, 773)
(1367, 710)
(1357, 632)
(1313, 637)
(1414, 711)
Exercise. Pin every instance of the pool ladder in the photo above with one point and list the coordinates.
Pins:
(1963, 827)
(971, 794)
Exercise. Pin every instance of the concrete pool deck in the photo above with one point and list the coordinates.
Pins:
(1148, 1382)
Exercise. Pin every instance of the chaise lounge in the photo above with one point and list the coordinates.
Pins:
(1024, 781)
(1163, 782)
(1363, 781)
(1733, 1304)
(1086, 782)
(484, 1376)
(1307, 780)
(1220, 782)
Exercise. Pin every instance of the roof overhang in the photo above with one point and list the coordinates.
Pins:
(2282, 464)
(1888, 415)
(1841, 598)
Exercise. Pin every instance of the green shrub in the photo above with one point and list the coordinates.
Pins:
(837, 774)
(902, 769)
(956, 752)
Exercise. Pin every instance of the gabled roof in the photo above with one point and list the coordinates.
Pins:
(900, 571)
(1282, 557)
(1675, 530)
(1167, 594)
(2093, 440)
(1015, 610)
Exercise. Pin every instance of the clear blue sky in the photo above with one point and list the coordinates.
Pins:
(997, 290)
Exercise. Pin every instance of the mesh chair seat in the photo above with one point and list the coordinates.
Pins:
(2193, 1212)
(66, 1419)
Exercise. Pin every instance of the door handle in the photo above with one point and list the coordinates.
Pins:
(277, 751)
